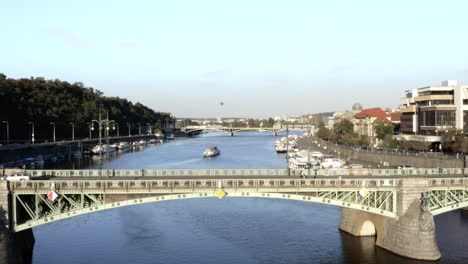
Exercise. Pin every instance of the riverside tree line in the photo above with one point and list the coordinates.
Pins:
(67, 105)
(343, 133)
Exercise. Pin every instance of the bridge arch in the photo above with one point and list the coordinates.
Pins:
(116, 203)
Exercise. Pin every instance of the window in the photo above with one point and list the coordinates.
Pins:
(437, 118)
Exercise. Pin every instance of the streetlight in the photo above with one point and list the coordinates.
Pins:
(118, 134)
(148, 128)
(287, 150)
(128, 124)
(7, 132)
(73, 131)
(90, 128)
(103, 123)
(139, 129)
(32, 132)
(52, 123)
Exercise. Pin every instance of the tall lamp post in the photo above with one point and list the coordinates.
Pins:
(118, 134)
(103, 124)
(139, 129)
(90, 128)
(53, 135)
(148, 128)
(128, 124)
(287, 150)
(73, 131)
(32, 132)
(7, 132)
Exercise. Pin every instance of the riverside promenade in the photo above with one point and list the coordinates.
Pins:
(393, 158)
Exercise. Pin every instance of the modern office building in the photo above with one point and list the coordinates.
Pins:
(429, 112)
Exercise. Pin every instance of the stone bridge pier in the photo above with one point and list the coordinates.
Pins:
(412, 235)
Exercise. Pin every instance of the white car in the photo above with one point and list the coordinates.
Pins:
(19, 176)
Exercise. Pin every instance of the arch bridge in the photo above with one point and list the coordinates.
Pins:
(232, 130)
(397, 205)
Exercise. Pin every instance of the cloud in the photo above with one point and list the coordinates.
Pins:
(69, 37)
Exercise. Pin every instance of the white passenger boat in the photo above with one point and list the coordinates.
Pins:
(332, 164)
(142, 143)
(101, 149)
(211, 151)
(124, 145)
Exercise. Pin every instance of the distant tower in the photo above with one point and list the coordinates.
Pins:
(357, 107)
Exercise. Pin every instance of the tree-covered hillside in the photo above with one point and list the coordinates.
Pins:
(53, 101)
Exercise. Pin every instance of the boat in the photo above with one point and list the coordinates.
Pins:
(142, 143)
(153, 141)
(101, 149)
(124, 145)
(211, 151)
(170, 137)
(331, 163)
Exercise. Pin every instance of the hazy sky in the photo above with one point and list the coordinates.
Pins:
(261, 58)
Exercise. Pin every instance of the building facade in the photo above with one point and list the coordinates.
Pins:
(429, 112)
(365, 120)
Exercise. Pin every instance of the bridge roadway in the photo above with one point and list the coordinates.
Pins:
(232, 130)
(396, 205)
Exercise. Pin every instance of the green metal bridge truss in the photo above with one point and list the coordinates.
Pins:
(31, 207)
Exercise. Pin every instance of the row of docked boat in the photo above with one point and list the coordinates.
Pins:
(306, 159)
(105, 148)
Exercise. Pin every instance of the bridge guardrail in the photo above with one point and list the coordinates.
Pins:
(251, 172)
(189, 184)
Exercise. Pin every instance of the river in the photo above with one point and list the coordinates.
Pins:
(209, 230)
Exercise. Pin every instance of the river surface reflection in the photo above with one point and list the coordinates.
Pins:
(232, 230)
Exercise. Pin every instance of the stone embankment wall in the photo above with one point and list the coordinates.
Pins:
(419, 160)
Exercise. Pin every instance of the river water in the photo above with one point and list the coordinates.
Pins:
(209, 230)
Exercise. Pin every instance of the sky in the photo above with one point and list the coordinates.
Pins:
(261, 58)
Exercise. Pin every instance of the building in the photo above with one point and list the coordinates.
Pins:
(365, 120)
(429, 112)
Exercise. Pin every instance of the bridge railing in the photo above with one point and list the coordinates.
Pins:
(252, 172)
(434, 182)
(148, 185)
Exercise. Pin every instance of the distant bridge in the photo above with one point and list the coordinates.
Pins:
(232, 130)
(398, 205)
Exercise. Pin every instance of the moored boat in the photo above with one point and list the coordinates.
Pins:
(124, 145)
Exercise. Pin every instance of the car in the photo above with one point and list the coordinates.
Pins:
(19, 176)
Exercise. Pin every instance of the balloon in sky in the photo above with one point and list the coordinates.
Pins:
(221, 103)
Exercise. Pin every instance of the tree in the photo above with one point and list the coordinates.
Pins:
(383, 129)
(343, 130)
(323, 132)
(455, 141)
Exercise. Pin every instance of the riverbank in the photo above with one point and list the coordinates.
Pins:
(395, 159)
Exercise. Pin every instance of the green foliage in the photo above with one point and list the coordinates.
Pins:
(188, 122)
(343, 131)
(43, 101)
(455, 141)
(383, 129)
